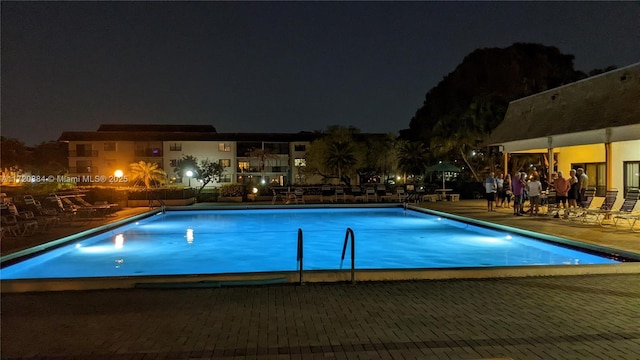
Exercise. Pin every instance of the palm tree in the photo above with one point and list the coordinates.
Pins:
(340, 157)
(412, 157)
(147, 173)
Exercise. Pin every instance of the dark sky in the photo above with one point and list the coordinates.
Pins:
(269, 66)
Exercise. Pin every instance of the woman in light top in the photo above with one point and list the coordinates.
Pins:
(534, 188)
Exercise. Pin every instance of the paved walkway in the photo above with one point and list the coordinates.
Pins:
(576, 317)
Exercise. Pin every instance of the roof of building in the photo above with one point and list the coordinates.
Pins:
(604, 101)
(184, 136)
(157, 128)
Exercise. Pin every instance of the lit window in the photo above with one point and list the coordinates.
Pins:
(300, 162)
(225, 162)
(224, 147)
(243, 165)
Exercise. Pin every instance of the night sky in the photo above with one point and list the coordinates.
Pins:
(269, 66)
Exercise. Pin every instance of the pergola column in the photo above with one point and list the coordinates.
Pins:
(550, 157)
(608, 158)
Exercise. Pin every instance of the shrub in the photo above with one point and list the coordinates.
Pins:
(232, 190)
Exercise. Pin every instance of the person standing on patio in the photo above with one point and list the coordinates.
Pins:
(583, 179)
(506, 191)
(491, 187)
(572, 195)
(534, 189)
(562, 186)
(500, 191)
(518, 186)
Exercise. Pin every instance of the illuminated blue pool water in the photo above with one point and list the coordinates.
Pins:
(229, 241)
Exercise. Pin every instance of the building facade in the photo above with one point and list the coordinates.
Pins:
(246, 157)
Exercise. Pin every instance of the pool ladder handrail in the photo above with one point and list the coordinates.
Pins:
(300, 254)
(162, 205)
(349, 233)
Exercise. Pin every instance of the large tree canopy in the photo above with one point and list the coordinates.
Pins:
(472, 100)
(483, 85)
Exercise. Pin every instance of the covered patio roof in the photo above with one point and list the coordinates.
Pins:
(600, 109)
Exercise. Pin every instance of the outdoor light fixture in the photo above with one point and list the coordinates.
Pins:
(189, 236)
(119, 241)
(118, 173)
(189, 174)
(263, 182)
(254, 190)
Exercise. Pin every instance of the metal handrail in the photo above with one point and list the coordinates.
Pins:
(300, 253)
(353, 252)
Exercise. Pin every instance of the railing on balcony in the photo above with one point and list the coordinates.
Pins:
(83, 170)
(148, 152)
(83, 153)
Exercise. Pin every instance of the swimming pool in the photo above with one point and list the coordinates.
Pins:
(203, 242)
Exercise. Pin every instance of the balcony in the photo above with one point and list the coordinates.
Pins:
(83, 170)
(148, 152)
(83, 153)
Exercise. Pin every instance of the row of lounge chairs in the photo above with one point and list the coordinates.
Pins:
(335, 194)
(606, 213)
(31, 216)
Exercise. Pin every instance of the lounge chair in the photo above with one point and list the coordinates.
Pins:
(370, 195)
(326, 193)
(278, 196)
(102, 207)
(596, 216)
(382, 194)
(553, 207)
(412, 196)
(626, 211)
(297, 196)
(10, 226)
(339, 193)
(574, 213)
(401, 194)
(356, 191)
(81, 211)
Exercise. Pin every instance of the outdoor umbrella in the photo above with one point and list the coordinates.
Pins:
(443, 166)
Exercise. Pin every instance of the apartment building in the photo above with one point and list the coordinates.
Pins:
(246, 157)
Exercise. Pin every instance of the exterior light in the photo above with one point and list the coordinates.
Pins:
(254, 190)
(189, 236)
(189, 174)
(263, 182)
(118, 173)
(119, 241)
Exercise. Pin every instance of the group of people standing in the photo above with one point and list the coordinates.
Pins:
(500, 189)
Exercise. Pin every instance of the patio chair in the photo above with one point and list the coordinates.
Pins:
(574, 213)
(10, 226)
(412, 196)
(598, 215)
(401, 194)
(101, 206)
(370, 195)
(297, 196)
(356, 191)
(626, 211)
(553, 207)
(325, 192)
(381, 193)
(339, 193)
(77, 209)
(278, 196)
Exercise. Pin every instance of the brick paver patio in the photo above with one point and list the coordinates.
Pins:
(562, 317)
(576, 317)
